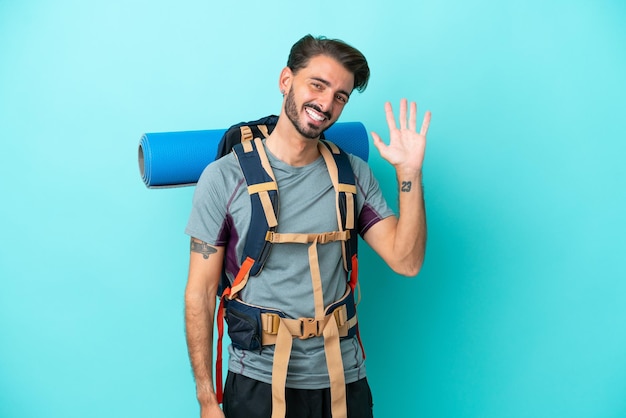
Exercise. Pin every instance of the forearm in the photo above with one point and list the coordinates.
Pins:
(410, 234)
(199, 317)
(401, 241)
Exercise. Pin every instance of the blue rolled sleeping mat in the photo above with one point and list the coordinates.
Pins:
(176, 159)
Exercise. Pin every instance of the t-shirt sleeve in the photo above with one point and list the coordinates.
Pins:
(207, 220)
(370, 200)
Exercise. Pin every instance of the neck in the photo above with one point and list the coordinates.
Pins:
(289, 146)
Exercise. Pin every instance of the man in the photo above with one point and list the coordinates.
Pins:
(316, 84)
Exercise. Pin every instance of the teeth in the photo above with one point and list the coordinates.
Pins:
(314, 115)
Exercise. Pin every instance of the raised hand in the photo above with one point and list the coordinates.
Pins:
(406, 147)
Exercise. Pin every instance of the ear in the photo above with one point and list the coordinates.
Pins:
(284, 81)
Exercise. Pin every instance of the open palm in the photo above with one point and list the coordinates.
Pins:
(406, 147)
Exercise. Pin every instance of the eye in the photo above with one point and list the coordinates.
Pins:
(341, 99)
(317, 86)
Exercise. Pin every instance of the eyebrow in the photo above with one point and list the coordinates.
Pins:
(327, 84)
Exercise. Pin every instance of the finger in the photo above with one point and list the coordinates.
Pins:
(425, 123)
(378, 142)
(403, 114)
(413, 117)
(391, 120)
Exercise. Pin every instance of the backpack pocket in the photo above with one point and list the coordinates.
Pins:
(243, 329)
(244, 323)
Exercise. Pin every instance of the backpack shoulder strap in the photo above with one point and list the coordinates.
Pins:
(242, 133)
(344, 182)
(263, 191)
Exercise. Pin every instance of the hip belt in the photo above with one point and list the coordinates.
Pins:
(252, 327)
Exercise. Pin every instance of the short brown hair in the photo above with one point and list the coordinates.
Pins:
(351, 58)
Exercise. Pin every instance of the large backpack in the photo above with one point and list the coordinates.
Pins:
(256, 246)
(250, 327)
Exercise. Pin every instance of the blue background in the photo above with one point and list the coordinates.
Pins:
(520, 308)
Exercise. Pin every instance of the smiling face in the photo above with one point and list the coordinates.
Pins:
(316, 95)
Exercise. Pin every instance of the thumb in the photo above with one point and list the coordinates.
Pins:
(383, 149)
(378, 142)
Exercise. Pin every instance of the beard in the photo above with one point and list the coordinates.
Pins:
(306, 130)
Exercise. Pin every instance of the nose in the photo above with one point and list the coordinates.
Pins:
(325, 101)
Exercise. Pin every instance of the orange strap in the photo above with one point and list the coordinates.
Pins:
(241, 279)
(218, 361)
(354, 274)
(242, 276)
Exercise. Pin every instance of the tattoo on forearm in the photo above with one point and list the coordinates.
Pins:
(202, 247)
(406, 186)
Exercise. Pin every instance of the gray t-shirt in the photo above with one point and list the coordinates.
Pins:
(220, 216)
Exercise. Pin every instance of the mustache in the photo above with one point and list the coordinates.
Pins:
(317, 108)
